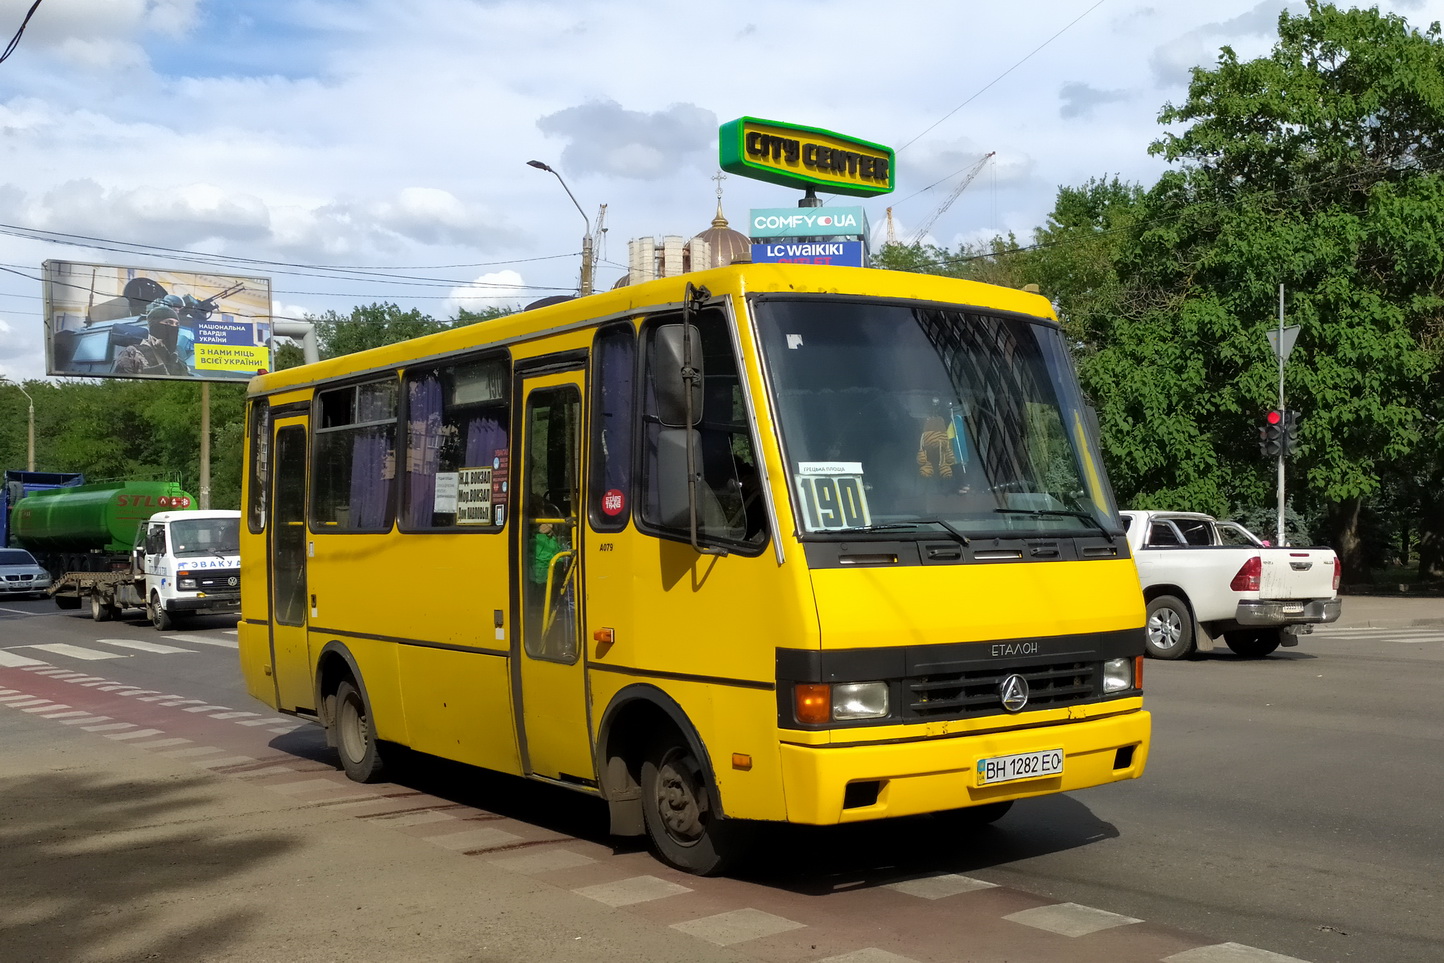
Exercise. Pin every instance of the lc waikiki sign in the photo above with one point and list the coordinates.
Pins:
(795, 156)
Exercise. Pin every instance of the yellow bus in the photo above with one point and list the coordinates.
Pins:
(764, 543)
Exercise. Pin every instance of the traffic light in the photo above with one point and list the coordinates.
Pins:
(1291, 431)
(1271, 436)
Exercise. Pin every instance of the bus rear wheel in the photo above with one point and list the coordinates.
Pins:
(680, 811)
(356, 735)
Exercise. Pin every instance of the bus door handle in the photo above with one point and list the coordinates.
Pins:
(547, 613)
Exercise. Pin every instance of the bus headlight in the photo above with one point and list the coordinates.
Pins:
(1118, 675)
(859, 700)
(817, 703)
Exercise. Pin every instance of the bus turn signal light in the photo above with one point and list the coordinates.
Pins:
(812, 702)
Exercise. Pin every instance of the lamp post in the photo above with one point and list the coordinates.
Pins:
(586, 286)
(30, 436)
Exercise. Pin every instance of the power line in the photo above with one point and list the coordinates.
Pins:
(15, 40)
(1003, 74)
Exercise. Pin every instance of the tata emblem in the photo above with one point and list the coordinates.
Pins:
(1014, 690)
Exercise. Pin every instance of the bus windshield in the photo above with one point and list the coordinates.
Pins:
(904, 417)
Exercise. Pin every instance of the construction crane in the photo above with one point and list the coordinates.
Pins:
(962, 185)
(599, 237)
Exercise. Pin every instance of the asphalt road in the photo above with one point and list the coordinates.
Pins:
(1290, 807)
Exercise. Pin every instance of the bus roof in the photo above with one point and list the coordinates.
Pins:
(737, 279)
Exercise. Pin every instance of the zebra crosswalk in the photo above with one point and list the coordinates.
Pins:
(1410, 635)
(100, 650)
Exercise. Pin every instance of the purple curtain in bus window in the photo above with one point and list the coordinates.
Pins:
(373, 469)
(370, 486)
(422, 449)
(483, 437)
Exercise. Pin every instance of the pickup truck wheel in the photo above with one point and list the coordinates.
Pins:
(1252, 643)
(1169, 631)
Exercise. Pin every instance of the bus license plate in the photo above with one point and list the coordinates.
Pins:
(1023, 765)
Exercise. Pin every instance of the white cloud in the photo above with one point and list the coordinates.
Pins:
(366, 132)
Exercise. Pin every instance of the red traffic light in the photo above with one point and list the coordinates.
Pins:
(1274, 417)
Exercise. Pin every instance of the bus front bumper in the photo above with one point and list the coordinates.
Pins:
(826, 785)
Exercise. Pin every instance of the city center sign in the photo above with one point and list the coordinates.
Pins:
(796, 156)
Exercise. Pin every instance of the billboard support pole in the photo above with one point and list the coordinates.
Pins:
(205, 493)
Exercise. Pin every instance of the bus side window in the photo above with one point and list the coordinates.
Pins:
(354, 481)
(613, 409)
(453, 468)
(259, 478)
(728, 490)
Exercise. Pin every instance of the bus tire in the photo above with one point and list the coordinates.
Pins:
(99, 611)
(1252, 643)
(1168, 634)
(356, 735)
(680, 811)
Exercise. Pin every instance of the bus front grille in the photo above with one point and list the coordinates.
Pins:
(978, 692)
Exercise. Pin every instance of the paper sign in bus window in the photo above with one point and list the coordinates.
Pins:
(831, 495)
(473, 496)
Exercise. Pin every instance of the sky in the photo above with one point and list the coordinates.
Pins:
(367, 151)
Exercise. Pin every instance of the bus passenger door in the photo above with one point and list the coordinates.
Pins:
(548, 655)
(290, 654)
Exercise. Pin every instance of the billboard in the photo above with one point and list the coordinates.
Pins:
(104, 321)
(836, 253)
(768, 222)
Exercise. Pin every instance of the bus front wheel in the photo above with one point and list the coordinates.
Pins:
(356, 735)
(680, 811)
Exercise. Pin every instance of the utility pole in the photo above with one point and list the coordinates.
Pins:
(30, 425)
(586, 285)
(1282, 407)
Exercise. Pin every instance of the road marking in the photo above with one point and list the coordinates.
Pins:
(1229, 953)
(155, 647)
(204, 640)
(110, 727)
(137, 734)
(12, 660)
(76, 652)
(1070, 919)
(163, 743)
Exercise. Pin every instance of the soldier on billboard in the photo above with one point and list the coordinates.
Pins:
(156, 355)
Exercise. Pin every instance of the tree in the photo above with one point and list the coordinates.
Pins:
(370, 327)
(1315, 167)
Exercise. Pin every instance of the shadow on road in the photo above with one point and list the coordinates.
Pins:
(88, 865)
(802, 859)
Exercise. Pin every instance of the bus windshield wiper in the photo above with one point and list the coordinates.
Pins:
(1061, 512)
(914, 524)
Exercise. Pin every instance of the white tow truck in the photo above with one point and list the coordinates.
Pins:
(183, 564)
(1204, 580)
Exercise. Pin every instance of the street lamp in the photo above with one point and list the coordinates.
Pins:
(30, 438)
(586, 287)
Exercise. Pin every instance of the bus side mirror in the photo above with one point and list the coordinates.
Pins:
(668, 367)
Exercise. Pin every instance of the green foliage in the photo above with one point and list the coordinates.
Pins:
(370, 327)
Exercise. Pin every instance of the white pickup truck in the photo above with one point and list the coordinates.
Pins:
(1204, 579)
